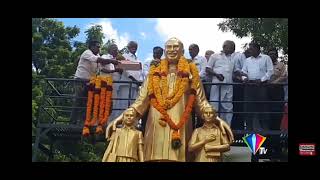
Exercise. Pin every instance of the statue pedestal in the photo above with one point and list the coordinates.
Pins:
(237, 154)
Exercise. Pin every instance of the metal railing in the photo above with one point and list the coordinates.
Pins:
(59, 96)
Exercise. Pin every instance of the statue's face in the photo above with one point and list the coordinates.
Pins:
(209, 115)
(129, 116)
(173, 50)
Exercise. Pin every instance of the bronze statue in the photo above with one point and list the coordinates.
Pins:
(126, 143)
(209, 142)
(170, 91)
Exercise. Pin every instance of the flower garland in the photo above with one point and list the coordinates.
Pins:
(160, 84)
(86, 131)
(97, 91)
(183, 79)
(163, 103)
(105, 110)
(99, 96)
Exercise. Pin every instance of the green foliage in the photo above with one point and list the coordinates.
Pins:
(51, 48)
(80, 152)
(268, 32)
(95, 33)
(56, 55)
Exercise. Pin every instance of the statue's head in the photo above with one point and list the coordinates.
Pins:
(173, 50)
(129, 116)
(209, 114)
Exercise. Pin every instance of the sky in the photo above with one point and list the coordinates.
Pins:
(151, 32)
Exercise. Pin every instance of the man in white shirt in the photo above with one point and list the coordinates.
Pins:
(208, 78)
(157, 54)
(128, 75)
(89, 61)
(116, 74)
(221, 67)
(110, 68)
(200, 61)
(87, 67)
(256, 70)
(238, 91)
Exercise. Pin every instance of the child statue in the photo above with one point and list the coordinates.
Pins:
(126, 143)
(209, 142)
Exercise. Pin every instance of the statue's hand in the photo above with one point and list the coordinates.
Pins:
(112, 127)
(209, 138)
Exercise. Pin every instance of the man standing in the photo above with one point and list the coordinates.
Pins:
(89, 61)
(157, 54)
(258, 69)
(275, 90)
(221, 67)
(123, 90)
(200, 61)
(237, 119)
(116, 74)
(208, 78)
(87, 67)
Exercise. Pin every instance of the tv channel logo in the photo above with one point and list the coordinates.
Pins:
(254, 142)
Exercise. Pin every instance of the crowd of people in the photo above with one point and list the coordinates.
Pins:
(251, 76)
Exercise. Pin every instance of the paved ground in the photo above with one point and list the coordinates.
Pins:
(237, 154)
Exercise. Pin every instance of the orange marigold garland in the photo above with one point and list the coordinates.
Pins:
(164, 80)
(85, 131)
(102, 97)
(159, 85)
(96, 101)
(99, 96)
(106, 109)
(161, 101)
(99, 129)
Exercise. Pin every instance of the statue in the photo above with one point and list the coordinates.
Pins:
(208, 142)
(126, 143)
(170, 92)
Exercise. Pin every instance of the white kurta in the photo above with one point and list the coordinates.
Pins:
(87, 65)
(123, 89)
(225, 65)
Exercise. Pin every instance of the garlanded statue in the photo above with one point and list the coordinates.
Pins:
(169, 93)
(209, 142)
(126, 143)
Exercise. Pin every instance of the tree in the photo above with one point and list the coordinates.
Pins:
(268, 32)
(51, 48)
(53, 55)
(95, 33)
